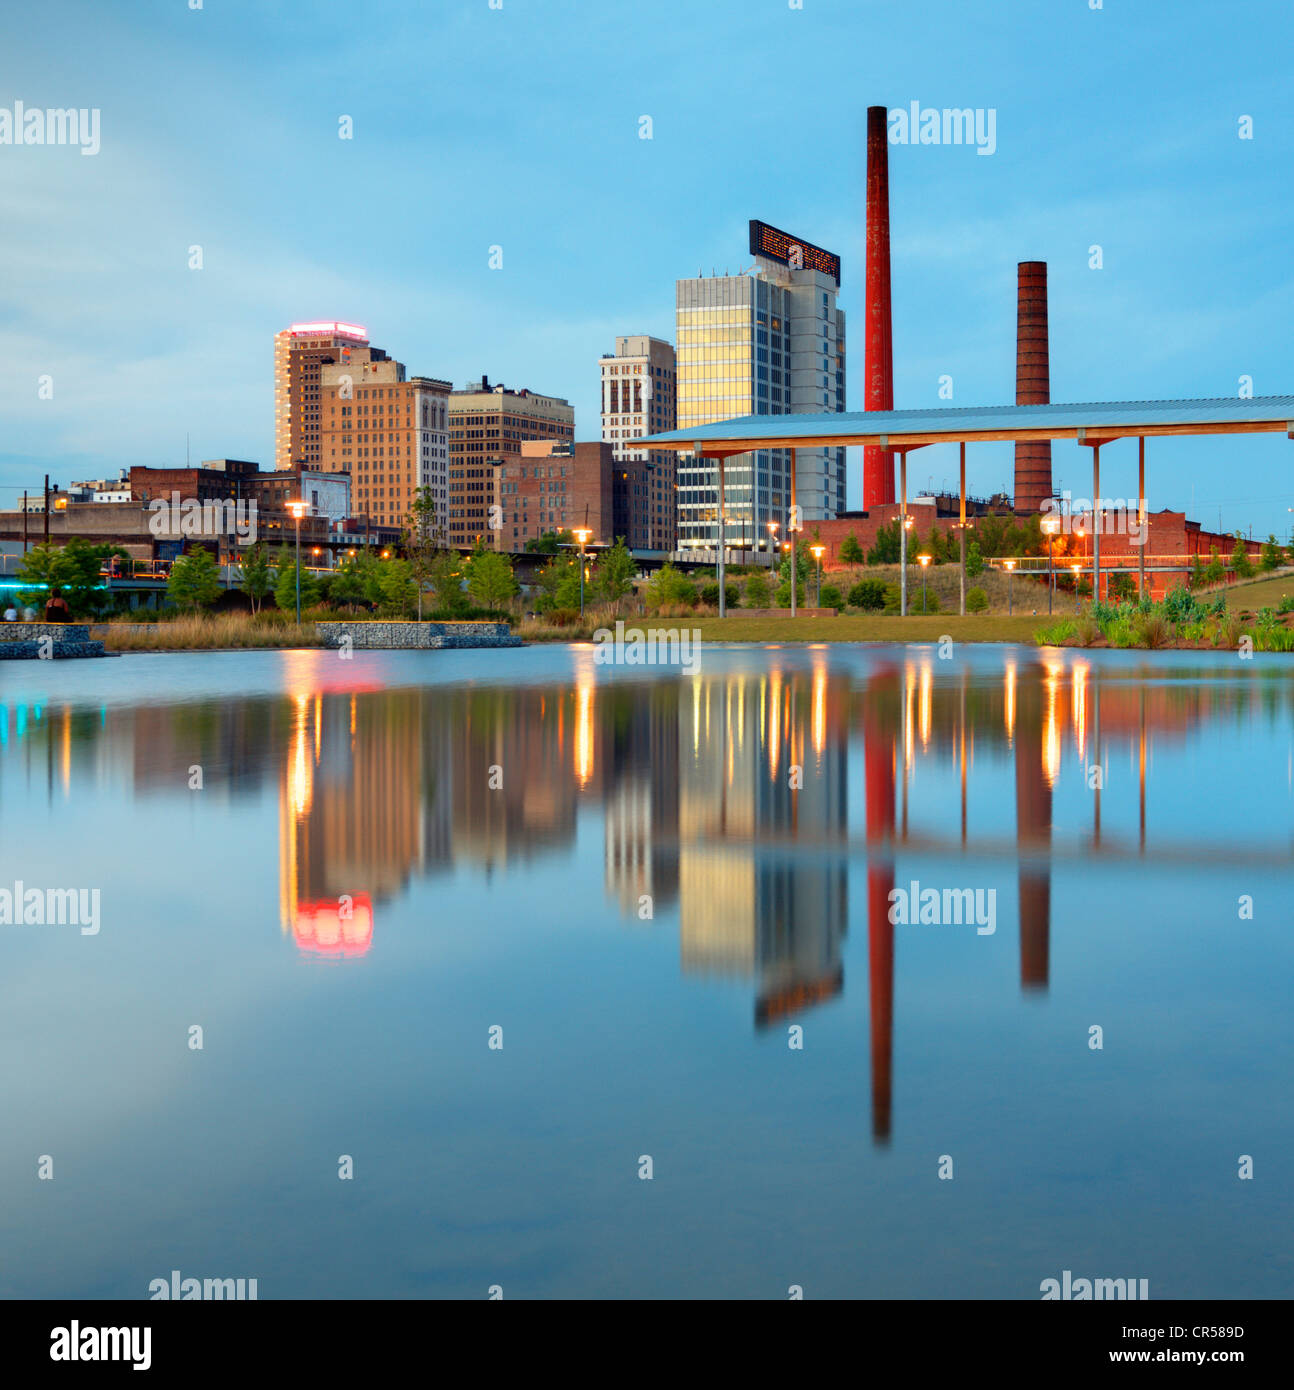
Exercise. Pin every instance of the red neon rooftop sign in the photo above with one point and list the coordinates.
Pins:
(329, 330)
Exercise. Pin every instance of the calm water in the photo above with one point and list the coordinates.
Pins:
(676, 873)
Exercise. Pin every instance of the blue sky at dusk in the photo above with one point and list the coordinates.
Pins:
(519, 127)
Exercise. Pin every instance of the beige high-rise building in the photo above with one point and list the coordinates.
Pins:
(389, 432)
(487, 425)
(299, 354)
(640, 396)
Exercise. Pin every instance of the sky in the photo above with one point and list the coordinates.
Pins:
(517, 124)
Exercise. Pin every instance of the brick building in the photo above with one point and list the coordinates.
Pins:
(300, 353)
(389, 431)
(555, 486)
(487, 427)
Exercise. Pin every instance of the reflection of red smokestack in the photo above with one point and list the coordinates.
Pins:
(1032, 383)
(878, 368)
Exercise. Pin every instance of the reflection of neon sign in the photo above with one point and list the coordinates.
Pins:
(330, 330)
(334, 927)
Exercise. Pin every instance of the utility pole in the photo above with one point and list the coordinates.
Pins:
(24, 522)
(46, 508)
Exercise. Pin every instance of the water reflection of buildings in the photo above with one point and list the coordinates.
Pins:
(724, 798)
(763, 761)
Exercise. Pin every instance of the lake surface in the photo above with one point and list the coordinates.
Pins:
(672, 892)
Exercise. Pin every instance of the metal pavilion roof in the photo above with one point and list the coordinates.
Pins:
(1089, 423)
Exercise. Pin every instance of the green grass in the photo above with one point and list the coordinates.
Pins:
(976, 627)
(1261, 593)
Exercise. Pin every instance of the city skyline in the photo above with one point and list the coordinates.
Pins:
(1191, 298)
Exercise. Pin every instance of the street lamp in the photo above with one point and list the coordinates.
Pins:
(1078, 603)
(925, 560)
(1050, 525)
(582, 535)
(903, 565)
(1010, 570)
(772, 544)
(817, 555)
(298, 510)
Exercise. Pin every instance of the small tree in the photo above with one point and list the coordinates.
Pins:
(613, 577)
(851, 553)
(398, 589)
(887, 549)
(447, 581)
(757, 590)
(194, 581)
(285, 588)
(976, 601)
(1196, 579)
(489, 579)
(421, 539)
(257, 578)
(1214, 573)
(974, 560)
(72, 569)
(1241, 566)
(669, 586)
(1271, 556)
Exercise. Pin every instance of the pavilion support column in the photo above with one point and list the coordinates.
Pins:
(1096, 523)
(962, 530)
(903, 533)
(723, 537)
(1141, 516)
(793, 520)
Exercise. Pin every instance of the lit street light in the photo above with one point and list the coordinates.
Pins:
(582, 535)
(1010, 570)
(1050, 525)
(817, 555)
(1078, 602)
(925, 560)
(772, 544)
(298, 510)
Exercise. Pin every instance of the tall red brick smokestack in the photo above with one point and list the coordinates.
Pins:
(1032, 383)
(878, 465)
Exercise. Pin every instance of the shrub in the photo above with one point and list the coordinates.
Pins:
(831, 597)
(977, 601)
(1086, 630)
(1057, 635)
(1286, 605)
(757, 591)
(916, 604)
(1151, 629)
(671, 586)
(710, 594)
(867, 594)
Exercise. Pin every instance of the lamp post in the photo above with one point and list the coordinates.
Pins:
(1010, 570)
(903, 565)
(1078, 603)
(925, 560)
(582, 535)
(772, 544)
(817, 555)
(298, 510)
(1050, 525)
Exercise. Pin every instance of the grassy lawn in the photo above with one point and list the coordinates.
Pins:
(977, 627)
(1261, 593)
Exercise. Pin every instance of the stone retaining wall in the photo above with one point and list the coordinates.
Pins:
(28, 632)
(384, 636)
